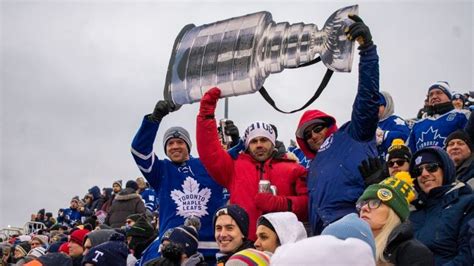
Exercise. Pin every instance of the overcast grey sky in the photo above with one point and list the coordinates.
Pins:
(78, 76)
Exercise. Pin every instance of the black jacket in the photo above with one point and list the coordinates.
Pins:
(403, 249)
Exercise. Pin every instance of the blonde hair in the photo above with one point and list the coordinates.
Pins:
(381, 239)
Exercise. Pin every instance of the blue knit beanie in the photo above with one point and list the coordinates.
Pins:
(351, 226)
(111, 253)
(442, 85)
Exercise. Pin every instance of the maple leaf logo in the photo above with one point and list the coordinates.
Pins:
(191, 201)
(430, 137)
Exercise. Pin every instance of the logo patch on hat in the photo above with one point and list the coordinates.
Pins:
(418, 160)
(384, 194)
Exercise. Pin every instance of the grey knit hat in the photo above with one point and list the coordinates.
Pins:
(177, 132)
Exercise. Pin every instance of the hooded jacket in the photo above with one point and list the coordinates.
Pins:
(287, 227)
(126, 202)
(334, 181)
(393, 126)
(241, 176)
(403, 249)
(441, 219)
(184, 190)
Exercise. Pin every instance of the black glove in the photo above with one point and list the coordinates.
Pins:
(162, 108)
(232, 131)
(372, 170)
(360, 32)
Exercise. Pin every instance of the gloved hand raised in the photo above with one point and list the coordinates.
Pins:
(373, 170)
(162, 108)
(209, 102)
(232, 131)
(360, 32)
(267, 202)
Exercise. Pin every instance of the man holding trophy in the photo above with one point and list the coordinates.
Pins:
(334, 180)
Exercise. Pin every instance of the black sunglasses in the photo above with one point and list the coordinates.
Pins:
(397, 162)
(316, 129)
(430, 167)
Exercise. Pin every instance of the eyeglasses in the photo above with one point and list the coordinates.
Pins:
(397, 162)
(430, 167)
(316, 129)
(371, 203)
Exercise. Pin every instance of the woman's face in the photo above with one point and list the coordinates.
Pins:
(267, 240)
(375, 216)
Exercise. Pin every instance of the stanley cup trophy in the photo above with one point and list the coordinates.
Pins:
(238, 54)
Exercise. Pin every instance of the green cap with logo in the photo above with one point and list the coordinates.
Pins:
(397, 192)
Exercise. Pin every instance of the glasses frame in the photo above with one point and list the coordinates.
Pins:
(371, 203)
(307, 134)
(430, 167)
(397, 162)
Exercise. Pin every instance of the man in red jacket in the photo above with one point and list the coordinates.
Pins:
(241, 176)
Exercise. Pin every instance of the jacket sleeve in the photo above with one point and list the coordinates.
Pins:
(218, 163)
(464, 256)
(364, 118)
(299, 202)
(470, 126)
(142, 152)
(140, 207)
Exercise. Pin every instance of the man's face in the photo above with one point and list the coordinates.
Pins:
(315, 135)
(458, 151)
(228, 235)
(74, 204)
(116, 188)
(437, 96)
(177, 150)
(458, 103)
(396, 165)
(260, 148)
(431, 177)
(75, 250)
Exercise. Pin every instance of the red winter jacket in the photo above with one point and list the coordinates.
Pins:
(242, 175)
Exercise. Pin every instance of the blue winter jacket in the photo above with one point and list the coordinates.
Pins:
(334, 181)
(441, 219)
(394, 127)
(184, 189)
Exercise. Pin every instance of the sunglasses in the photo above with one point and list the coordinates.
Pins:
(371, 203)
(397, 162)
(316, 129)
(430, 167)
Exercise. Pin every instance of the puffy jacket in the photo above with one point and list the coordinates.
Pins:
(241, 176)
(125, 203)
(403, 249)
(441, 219)
(334, 181)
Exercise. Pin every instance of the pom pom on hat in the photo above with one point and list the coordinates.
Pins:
(398, 149)
(396, 192)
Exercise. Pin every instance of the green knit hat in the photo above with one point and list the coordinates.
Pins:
(396, 192)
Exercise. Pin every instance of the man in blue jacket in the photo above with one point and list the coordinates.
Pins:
(334, 181)
(185, 188)
(443, 209)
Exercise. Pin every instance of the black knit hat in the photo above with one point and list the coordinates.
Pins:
(238, 214)
(462, 135)
(132, 184)
(141, 229)
(187, 237)
(398, 150)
